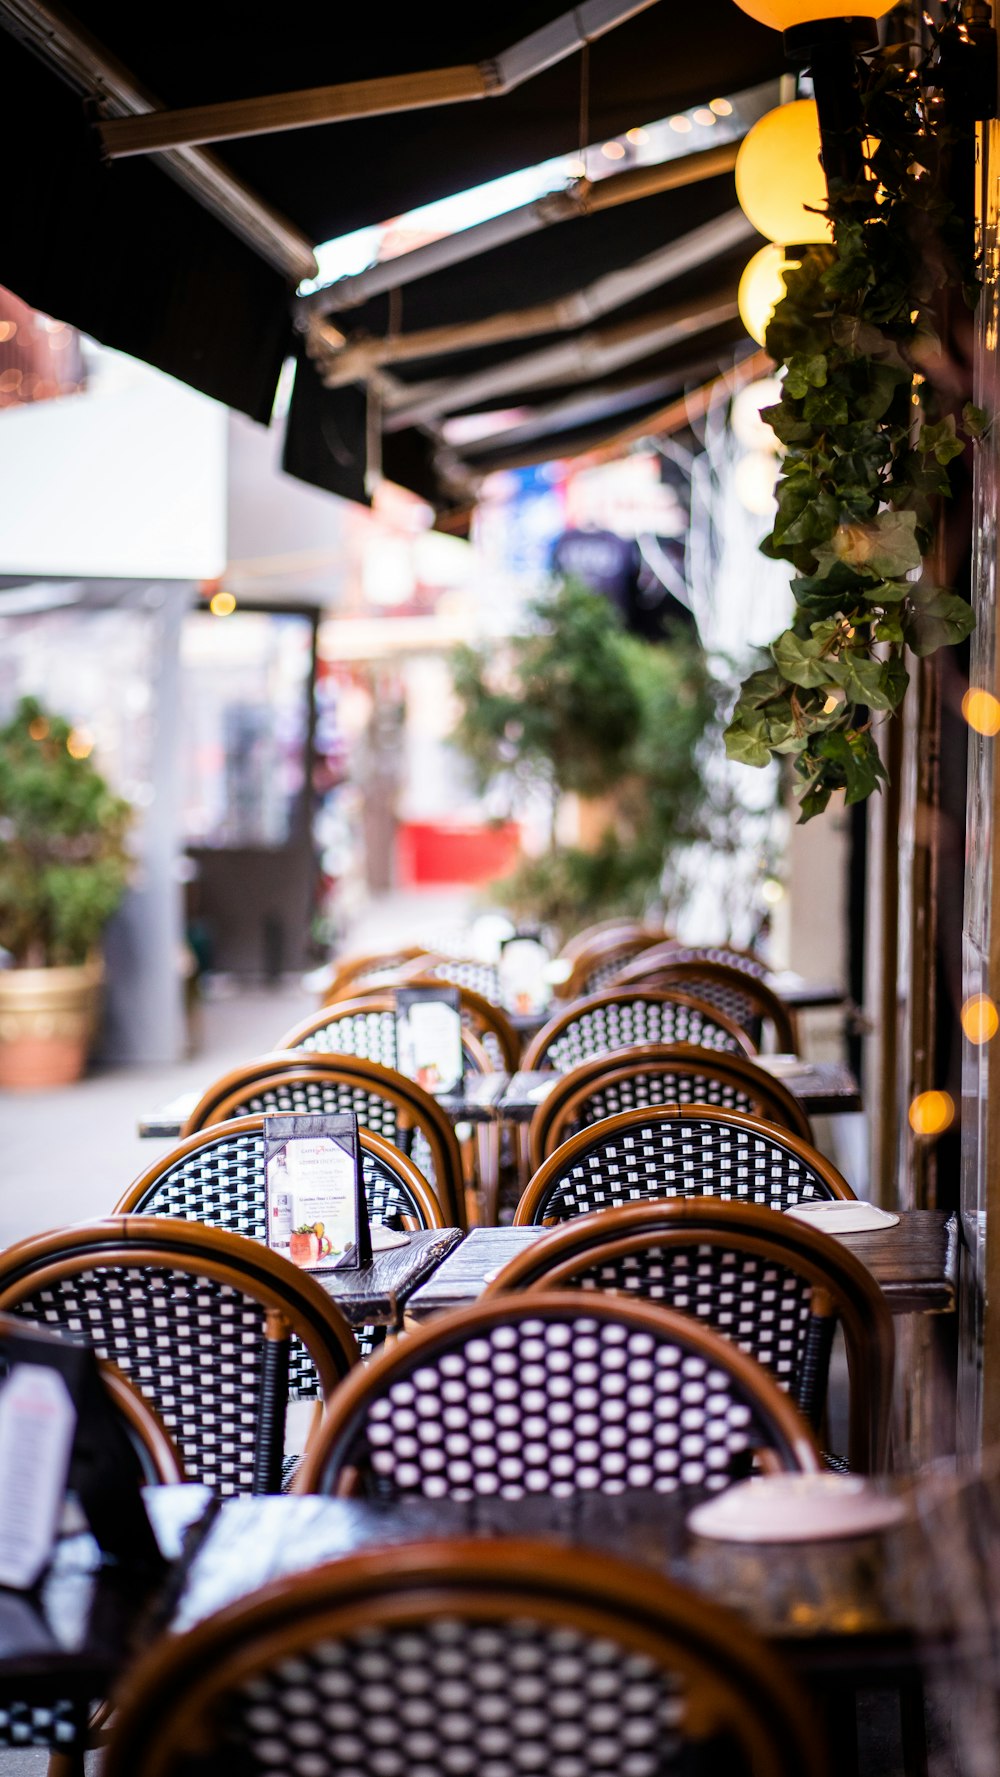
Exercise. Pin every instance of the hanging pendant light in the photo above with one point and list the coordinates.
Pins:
(761, 288)
(779, 180)
(784, 15)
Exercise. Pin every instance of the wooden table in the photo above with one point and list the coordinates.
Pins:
(377, 1294)
(914, 1263)
(822, 1087)
(840, 1611)
(803, 994)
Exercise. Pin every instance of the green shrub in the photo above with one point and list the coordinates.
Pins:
(64, 866)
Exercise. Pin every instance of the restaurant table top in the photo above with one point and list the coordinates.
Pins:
(822, 1088)
(840, 1608)
(375, 1294)
(915, 1264)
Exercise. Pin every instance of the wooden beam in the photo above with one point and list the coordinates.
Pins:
(87, 66)
(581, 198)
(371, 98)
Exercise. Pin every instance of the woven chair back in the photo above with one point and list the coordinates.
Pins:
(200, 1321)
(744, 996)
(777, 1288)
(554, 1395)
(217, 1177)
(365, 1025)
(470, 1656)
(384, 1101)
(659, 1074)
(621, 1018)
(677, 1151)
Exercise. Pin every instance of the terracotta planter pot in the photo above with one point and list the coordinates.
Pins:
(47, 1021)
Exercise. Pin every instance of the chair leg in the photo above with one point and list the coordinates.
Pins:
(67, 1764)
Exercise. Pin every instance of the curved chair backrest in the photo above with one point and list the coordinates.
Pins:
(554, 1395)
(659, 1073)
(157, 1455)
(744, 997)
(677, 1151)
(587, 936)
(466, 1655)
(384, 1101)
(216, 1176)
(621, 1018)
(597, 964)
(378, 963)
(366, 1025)
(201, 1321)
(767, 1281)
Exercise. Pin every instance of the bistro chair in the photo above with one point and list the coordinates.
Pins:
(597, 962)
(555, 1395)
(659, 1074)
(677, 1151)
(744, 996)
(767, 1281)
(201, 1323)
(376, 964)
(466, 1655)
(365, 1025)
(384, 1101)
(620, 1018)
(216, 1177)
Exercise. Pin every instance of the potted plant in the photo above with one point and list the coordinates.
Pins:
(64, 868)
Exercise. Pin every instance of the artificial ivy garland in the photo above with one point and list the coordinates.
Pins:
(866, 460)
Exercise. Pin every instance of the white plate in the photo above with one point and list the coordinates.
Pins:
(844, 1216)
(384, 1239)
(796, 1509)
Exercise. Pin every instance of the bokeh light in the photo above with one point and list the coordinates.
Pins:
(980, 1018)
(931, 1113)
(982, 711)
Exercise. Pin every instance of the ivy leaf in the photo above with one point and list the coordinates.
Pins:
(857, 758)
(886, 548)
(889, 629)
(825, 407)
(862, 340)
(938, 618)
(889, 592)
(813, 802)
(895, 679)
(800, 662)
(761, 687)
(804, 373)
(863, 680)
(974, 420)
(942, 440)
(875, 399)
(744, 747)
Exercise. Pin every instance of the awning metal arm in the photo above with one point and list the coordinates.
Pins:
(371, 98)
(88, 67)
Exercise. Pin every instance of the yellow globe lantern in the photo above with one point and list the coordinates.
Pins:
(779, 180)
(761, 288)
(783, 15)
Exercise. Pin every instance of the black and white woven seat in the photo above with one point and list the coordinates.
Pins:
(731, 980)
(677, 1151)
(554, 1394)
(621, 1019)
(200, 1321)
(774, 1286)
(384, 1101)
(217, 1177)
(659, 1074)
(478, 1658)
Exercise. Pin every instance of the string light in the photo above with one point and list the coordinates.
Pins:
(222, 604)
(721, 107)
(613, 151)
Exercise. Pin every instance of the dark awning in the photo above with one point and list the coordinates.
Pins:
(127, 253)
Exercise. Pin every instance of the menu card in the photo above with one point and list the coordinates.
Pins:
(524, 983)
(316, 1211)
(429, 1037)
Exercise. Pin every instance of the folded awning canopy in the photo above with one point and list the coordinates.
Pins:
(166, 182)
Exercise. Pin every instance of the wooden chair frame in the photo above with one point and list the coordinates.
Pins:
(669, 973)
(618, 943)
(133, 1201)
(534, 1055)
(842, 1289)
(590, 935)
(733, 1683)
(326, 1467)
(553, 1121)
(530, 1210)
(353, 968)
(414, 1108)
(294, 1302)
(480, 1012)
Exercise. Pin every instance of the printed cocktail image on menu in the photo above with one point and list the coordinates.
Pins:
(316, 1213)
(429, 1037)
